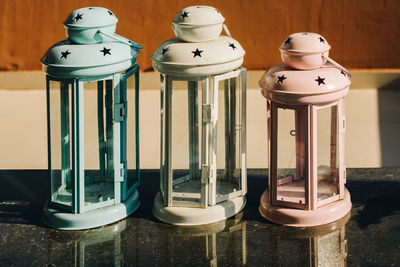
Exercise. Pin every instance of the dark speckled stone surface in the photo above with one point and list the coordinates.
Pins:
(371, 236)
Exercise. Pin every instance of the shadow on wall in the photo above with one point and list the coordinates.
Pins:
(389, 122)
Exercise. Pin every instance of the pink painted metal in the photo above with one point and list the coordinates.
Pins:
(301, 218)
(285, 85)
(312, 191)
(304, 50)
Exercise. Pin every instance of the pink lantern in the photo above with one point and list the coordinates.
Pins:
(306, 127)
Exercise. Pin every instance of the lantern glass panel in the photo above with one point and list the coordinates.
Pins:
(99, 142)
(131, 153)
(186, 141)
(60, 121)
(291, 158)
(229, 137)
(328, 154)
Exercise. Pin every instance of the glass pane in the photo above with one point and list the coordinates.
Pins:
(328, 154)
(228, 137)
(60, 96)
(186, 126)
(291, 155)
(99, 149)
(131, 152)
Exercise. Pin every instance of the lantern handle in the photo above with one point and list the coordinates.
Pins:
(121, 39)
(337, 65)
(226, 30)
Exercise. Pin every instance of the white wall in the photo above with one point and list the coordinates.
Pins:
(373, 121)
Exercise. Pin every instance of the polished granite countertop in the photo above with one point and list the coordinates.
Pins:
(369, 236)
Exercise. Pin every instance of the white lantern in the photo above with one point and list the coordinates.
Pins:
(203, 130)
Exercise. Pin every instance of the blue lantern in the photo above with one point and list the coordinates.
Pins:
(93, 145)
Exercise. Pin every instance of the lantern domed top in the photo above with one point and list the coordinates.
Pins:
(66, 59)
(92, 49)
(199, 15)
(175, 57)
(305, 42)
(198, 24)
(305, 51)
(289, 86)
(198, 50)
(90, 25)
(89, 17)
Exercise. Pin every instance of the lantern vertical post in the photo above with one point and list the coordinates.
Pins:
(243, 129)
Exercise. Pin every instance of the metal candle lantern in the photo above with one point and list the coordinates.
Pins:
(306, 127)
(203, 177)
(94, 167)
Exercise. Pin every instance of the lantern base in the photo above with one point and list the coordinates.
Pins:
(197, 216)
(65, 220)
(305, 218)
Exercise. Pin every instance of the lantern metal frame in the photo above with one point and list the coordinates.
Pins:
(124, 200)
(209, 207)
(312, 211)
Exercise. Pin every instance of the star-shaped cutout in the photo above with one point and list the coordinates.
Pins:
(110, 13)
(320, 80)
(342, 72)
(65, 54)
(78, 17)
(106, 51)
(321, 39)
(90, 8)
(216, 10)
(164, 50)
(232, 45)
(288, 40)
(184, 15)
(197, 52)
(281, 78)
(305, 33)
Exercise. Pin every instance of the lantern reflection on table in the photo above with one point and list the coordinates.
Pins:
(203, 130)
(225, 238)
(87, 248)
(92, 131)
(306, 126)
(324, 245)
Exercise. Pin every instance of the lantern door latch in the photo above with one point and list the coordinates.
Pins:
(208, 113)
(342, 126)
(119, 112)
(120, 173)
(205, 174)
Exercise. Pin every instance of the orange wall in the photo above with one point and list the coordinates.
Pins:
(362, 33)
